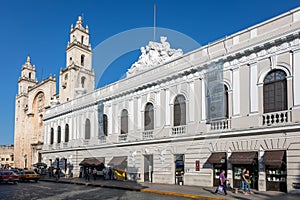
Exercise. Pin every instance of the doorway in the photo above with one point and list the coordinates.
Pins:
(148, 168)
(179, 169)
(237, 170)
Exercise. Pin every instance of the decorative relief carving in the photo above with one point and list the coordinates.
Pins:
(154, 54)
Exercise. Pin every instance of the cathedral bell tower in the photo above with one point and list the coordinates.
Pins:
(27, 78)
(78, 76)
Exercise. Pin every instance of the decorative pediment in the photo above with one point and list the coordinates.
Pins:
(154, 54)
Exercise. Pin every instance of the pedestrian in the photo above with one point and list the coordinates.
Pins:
(81, 172)
(248, 181)
(57, 174)
(243, 182)
(222, 185)
(86, 174)
(49, 172)
(104, 173)
(94, 173)
(125, 174)
(110, 173)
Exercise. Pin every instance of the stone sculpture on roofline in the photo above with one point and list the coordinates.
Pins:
(154, 54)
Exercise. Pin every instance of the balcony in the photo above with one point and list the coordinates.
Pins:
(147, 135)
(179, 130)
(65, 145)
(123, 138)
(276, 118)
(102, 140)
(85, 142)
(220, 125)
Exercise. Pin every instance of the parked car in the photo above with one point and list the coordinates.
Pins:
(16, 171)
(28, 175)
(9, 176)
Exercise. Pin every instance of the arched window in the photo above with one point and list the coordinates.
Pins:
(29, 75)
(87, 129)
(51, 136)
(58, 134)
(82, 60)
(82, 81)
(275, 95)
(179, 111)
(105, 124)
(67, 133)
(124, 122)
(149, 117)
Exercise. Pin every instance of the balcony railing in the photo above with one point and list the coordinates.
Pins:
(147, 135)
(276, 118)
(85, 142)
(179, 130)
(123, 138)
(224, 124)
(65, 145)
(102, 140)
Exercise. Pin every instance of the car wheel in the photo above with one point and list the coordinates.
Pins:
(15, 182)
(36, 181)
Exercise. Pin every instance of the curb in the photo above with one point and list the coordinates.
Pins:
(191, 196)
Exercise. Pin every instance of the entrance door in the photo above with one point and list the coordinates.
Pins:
(179, 169)
(237, 170)
(217, 170)
(148, 168)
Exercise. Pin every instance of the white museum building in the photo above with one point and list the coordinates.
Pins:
(180, 118)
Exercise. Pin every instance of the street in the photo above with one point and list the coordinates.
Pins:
(51, 190)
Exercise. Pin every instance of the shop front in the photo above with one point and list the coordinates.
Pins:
(119, 166)
(93, 162)
(219, 162)
(248, 160)
(275, 165)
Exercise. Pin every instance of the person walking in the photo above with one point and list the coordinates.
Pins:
(57, 174)
(94, 173)
(110, 173)
(248, 181)
(86, 174)
(222, 183)
(243, 182)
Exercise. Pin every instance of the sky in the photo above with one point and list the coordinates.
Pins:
(41, 29)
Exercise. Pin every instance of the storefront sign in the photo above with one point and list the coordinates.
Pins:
(197, 165)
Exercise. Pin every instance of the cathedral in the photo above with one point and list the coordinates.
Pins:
(175, 118)
(34, 98)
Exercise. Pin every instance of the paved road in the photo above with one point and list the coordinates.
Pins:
(56, 191)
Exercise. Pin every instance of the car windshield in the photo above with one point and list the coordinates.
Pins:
(29, 172)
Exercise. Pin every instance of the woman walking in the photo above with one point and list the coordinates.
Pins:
(222, 185)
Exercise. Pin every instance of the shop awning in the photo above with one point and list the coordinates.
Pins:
(94, 161)
(246, 158)
(273, 158)
(217, 158)
(118, 162)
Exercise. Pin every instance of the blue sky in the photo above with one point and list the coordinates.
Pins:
(41, 29)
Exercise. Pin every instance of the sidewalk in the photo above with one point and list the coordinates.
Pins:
(192, 192)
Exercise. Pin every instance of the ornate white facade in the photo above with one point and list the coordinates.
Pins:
(159, 119)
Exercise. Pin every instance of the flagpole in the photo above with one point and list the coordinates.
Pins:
(154, 22)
